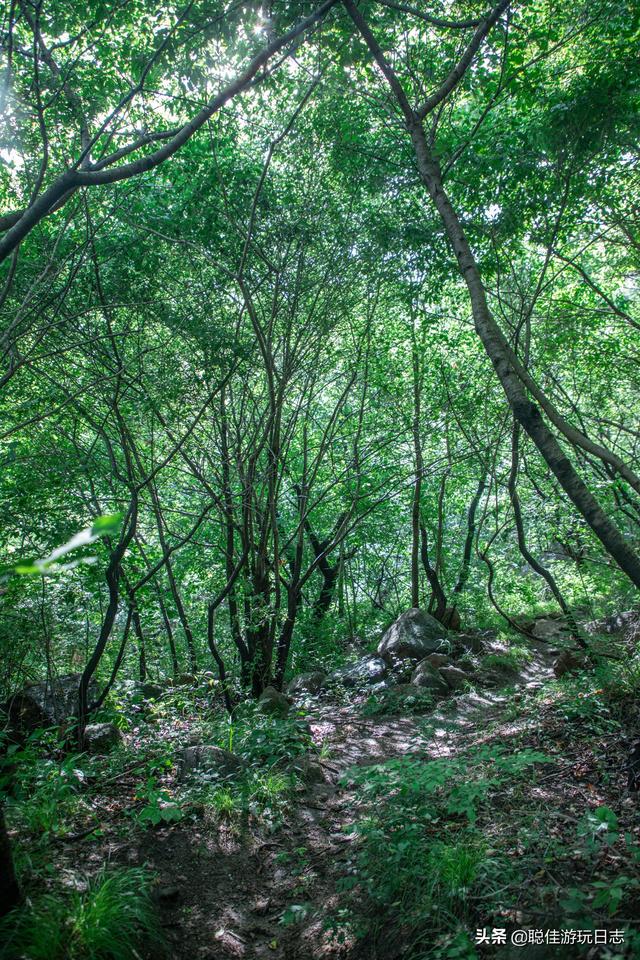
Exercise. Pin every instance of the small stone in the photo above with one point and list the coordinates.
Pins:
(261, 906)
(101, 737)
(307, 683)
(209, 759)
(568, 662)
(439, 660)
(308, 770)
(273, 703)
(455, 677)
(425, 675)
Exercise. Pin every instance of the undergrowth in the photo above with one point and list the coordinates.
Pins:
(111, 920)
(444, 847)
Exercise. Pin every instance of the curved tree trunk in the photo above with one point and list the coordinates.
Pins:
(439, 612)
(468, 547)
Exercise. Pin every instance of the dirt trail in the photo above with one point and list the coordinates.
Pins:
(224, 891)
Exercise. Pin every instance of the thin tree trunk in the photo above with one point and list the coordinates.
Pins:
(9, 890)
(232, 602)
(112, 577)
(535, 565)
(417, 485)
(434, 582)
(463, 575)
(175, 593)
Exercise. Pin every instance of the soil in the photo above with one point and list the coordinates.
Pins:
(223, 891)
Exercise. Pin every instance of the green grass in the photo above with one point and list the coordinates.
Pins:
(510, 660)
(421, 864)
(111, 920)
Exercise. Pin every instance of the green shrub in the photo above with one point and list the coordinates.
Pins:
(420, 863)
(265, 741)
(510, 660)
(111, 920)
(390, 703)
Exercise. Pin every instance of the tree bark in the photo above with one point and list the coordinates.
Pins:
(417, 484)
(9, 890)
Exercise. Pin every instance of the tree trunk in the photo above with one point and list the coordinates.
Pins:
(417, 485)
(9, 890)
(112, 577)
(468, 547)
(438, 593)
(526, 412)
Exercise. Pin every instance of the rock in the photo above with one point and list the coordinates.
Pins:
(625, 624)
(186, 680)
(455, 677)
(550, 629)
(307, 769)
(151, 691)
(46, 704)
(414, 634)
(369, 670)
(306, 683)
(273, 703)
(130, 689)
(208, 759)
(439, 660)
(169, 894)
(568, 662)
(403, 690)
(474, 642)
(101, 737)
(425, 675)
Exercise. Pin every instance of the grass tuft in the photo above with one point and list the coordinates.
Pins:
(110, 920)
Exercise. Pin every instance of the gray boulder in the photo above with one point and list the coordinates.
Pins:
(46, 704)
(427, 676)
(151, 691)
(209, 760)
(455, 677)
(474, 642)
(548, 628)
(369, 670)
(129, 689)
(439, 660)
(307, 769)
(414, 634)
(101, 737)
(272, 703)
(306, 683)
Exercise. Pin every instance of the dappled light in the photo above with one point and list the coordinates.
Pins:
(319, 480)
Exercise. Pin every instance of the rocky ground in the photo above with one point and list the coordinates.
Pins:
(232, 887)
(225, 892)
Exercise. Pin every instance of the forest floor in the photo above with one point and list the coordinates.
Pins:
(229, 889)
(232, 883)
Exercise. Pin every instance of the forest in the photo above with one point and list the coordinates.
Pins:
(319, 479)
